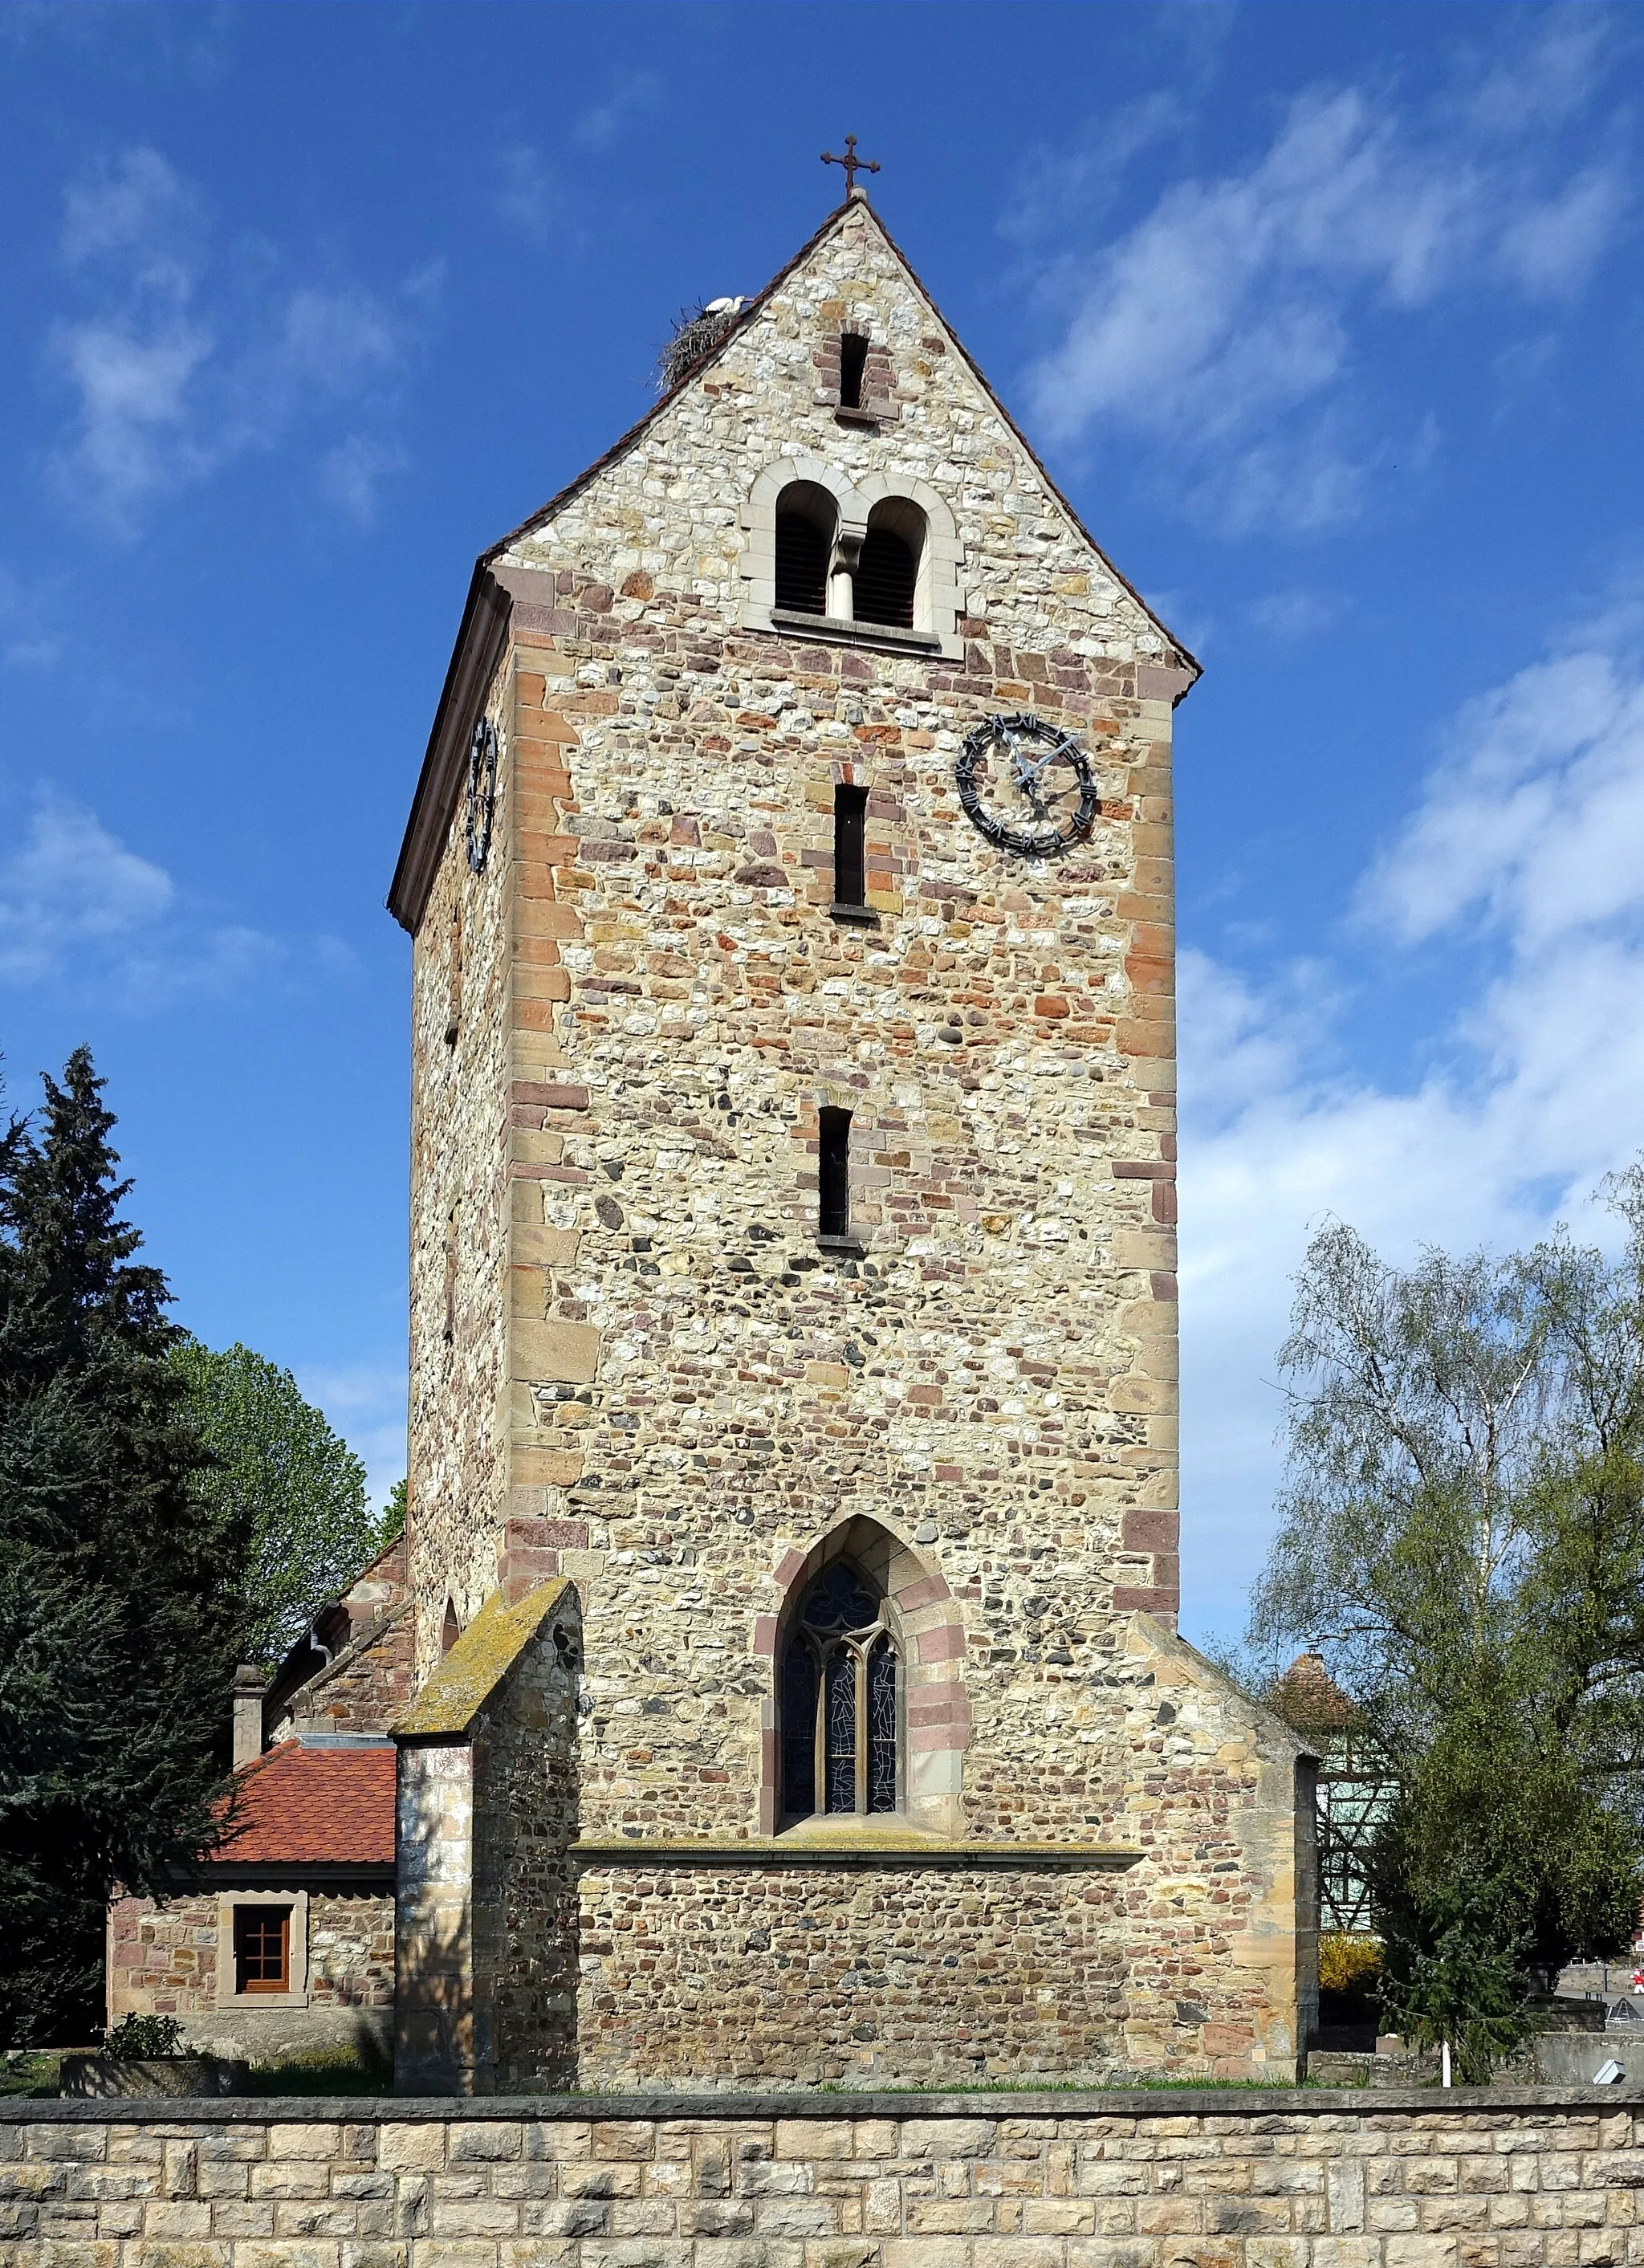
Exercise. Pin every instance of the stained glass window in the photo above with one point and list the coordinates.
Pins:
(839, 1700)
(881, 1728)
(839, 1600)
(842, 1730)
(798, 1728)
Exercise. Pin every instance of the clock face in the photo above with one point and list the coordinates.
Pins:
(1027, 786)
(482, 792)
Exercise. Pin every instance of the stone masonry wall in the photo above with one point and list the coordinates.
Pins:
(365, 1692)
(350, 1950)
(487, 1814)
(524, 1891)
(163, 1960)
(1537, 2179)
(371, 1673)
(700, 1397)
(460, 1070)
(1188, 1960)
(434, 2029)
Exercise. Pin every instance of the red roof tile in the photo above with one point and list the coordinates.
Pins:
(1308, 1697)
(313, 1806)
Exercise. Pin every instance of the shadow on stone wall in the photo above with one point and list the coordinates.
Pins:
(487, 1941)
(527, 1945)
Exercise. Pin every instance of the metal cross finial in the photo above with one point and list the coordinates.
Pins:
(852, 164)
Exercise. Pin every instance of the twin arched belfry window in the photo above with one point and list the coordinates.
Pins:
(807, 525)
(838, 1702)
(875, 578)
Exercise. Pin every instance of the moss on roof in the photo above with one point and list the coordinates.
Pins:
(478, 1662)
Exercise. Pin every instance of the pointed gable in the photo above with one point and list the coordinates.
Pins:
(759, 407)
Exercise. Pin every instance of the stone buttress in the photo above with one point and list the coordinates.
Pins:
(646, 1365)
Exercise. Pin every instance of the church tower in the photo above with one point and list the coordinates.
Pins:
(793, 1328)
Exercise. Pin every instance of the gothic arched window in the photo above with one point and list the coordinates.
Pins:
(806, 520)
(838, 1699)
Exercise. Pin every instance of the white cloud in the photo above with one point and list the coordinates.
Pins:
(528, 195)
(27, 639)
(1544, 85)
(141, 204)
(1550, 250)
(1222, 326)
(365, 1403)
(1529, 833)
(333, 340)
(630, 98)
(1067, 187)
(135, 431)
(1534, 824)
(178, 366)
(352, 473)
(1287, 617)
(81, 913)
(72, 883)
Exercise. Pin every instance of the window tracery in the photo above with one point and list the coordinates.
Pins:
(839, 1700)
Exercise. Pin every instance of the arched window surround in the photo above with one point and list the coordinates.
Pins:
(941, 554)
(840, 1690)
(926, 1625)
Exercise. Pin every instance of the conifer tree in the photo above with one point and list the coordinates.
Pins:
(118, 1617)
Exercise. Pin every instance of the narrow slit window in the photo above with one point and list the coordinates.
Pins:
(451, 1629)
(262, 1949)
(833, 1173)
(850, 838)
(453, 1008)
(852, 365)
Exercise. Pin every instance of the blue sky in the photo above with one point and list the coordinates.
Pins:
(1329, 317)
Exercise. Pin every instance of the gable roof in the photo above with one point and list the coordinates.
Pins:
(341, 1647)
(476, 1665)
(299, 1807)
(485, 614)
(1308, 1697)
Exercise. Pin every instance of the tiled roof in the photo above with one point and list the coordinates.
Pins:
(1308, 1696)
(313, 1806)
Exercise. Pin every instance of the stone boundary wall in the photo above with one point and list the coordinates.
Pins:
(1532, 2178)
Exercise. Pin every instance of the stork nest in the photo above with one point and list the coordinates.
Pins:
(696, 336)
